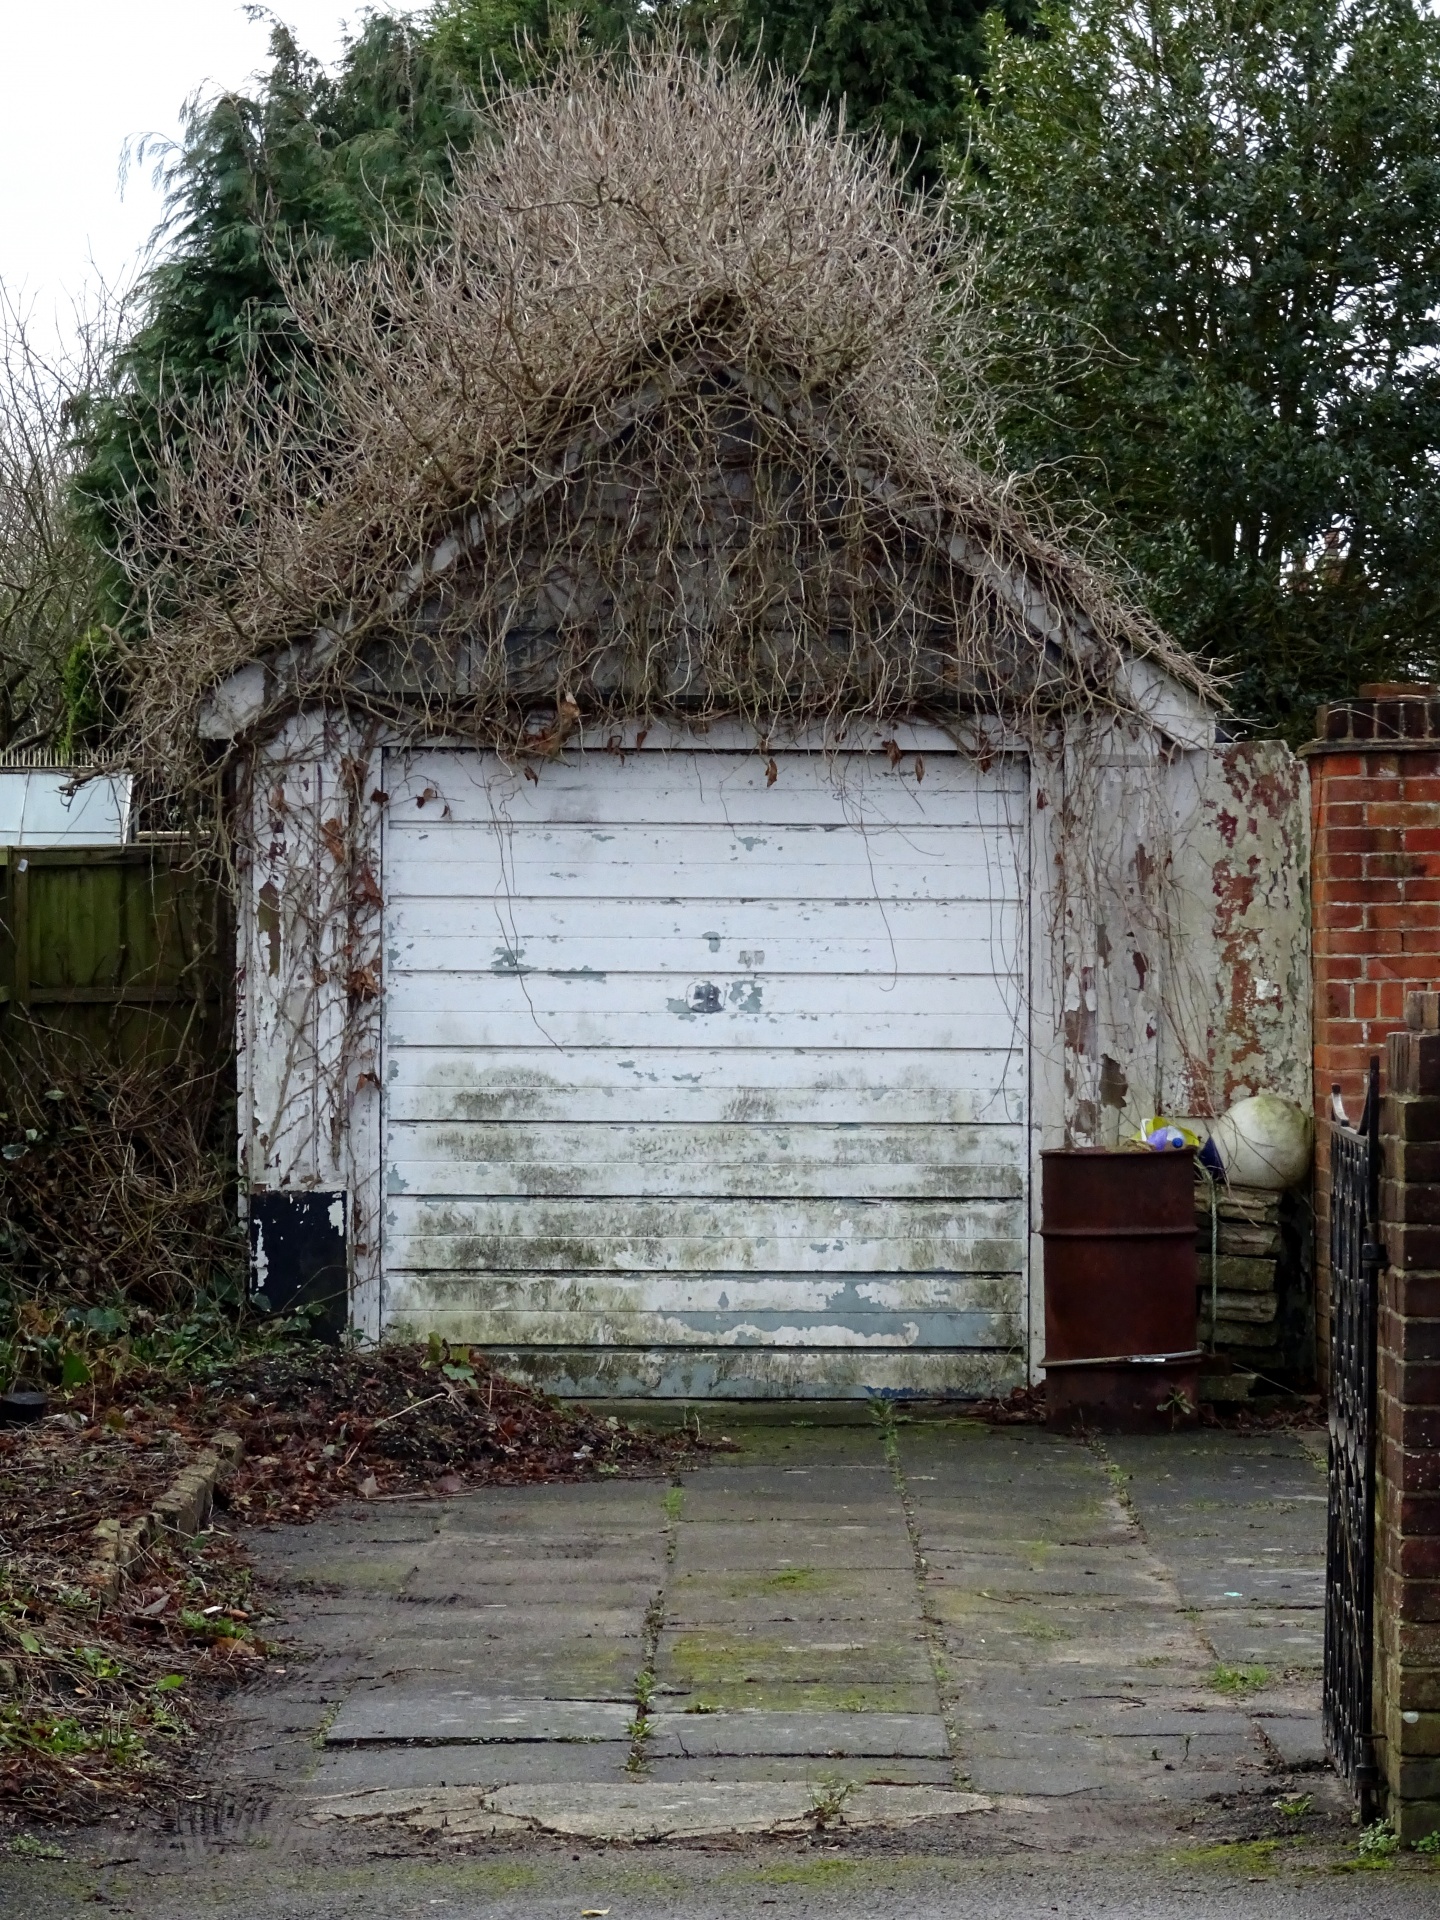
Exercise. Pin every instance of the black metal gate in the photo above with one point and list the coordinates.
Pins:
(1355, 1260)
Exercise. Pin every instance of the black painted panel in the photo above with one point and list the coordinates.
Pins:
(298, 1257)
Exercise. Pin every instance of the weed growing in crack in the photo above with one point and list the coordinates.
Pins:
(1237, 1680)
(830, 1795)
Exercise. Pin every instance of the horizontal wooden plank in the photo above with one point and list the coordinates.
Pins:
(132, 995)
(711, 842)
(738, 1026)
(811, 1295)
(701, 1084)
(492, 1327)
(720, 1160)
(700, 786)
(637, 1235)
(643, 936)
(617, 1001)
(741, 1373)
(705, 864)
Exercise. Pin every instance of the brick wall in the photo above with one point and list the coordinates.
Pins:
(1407, 1535)
(1375, 900)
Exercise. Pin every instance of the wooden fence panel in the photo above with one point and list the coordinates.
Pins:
(120, 955)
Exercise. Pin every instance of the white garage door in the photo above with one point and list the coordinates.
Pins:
(706, 1075)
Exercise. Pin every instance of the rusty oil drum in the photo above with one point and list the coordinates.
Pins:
(1120, 1280)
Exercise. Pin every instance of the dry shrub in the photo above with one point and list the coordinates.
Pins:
(113, 1183)
(681, 415)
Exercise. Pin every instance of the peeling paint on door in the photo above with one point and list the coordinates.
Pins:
(613, 1163)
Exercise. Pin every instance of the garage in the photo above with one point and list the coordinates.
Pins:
(704, 1071)
(697, 842)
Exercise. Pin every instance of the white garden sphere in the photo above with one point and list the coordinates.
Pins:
(1265, 1142)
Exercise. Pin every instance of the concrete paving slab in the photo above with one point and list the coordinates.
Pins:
(1156, 1768)
(535, 1592)
(1298, 1738)
(701, 1658)
(598, 1503)
(823, 1770)
(807, 1735)
(1059, 1619)
(502, 1619)
(814, 1492)
(790, 1444)
(726, 1546)
(350, 1769)
(539, 1589)
(650, 1810)
(448, 1715)
(1037, 1711)
(504, 1562)
(811, 1594)
(586, 1530)
(350, 1574)
(1229, 1580)
(1034, 1776)
(781, 1696)
(1280, 1639)
(523, 1675)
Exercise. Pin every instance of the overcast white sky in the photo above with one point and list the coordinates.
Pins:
(80, 77)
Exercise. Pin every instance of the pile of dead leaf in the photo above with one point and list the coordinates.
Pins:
(321, 1425)
(98, 1704)
(1021, 1407)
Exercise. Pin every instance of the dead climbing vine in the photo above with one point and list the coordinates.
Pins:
(680, 416)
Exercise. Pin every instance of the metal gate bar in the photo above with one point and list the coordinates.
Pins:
(1355, 1261)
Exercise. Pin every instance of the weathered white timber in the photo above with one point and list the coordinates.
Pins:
(308, 983)
(643, 934)
(766, 1293)
(684, 1059)
(731, 1235)
(693, 1082)
(755, 1371)
(706, 1310)
(909, 1162)
(728, 782)
(742, 1018)
(801, 863)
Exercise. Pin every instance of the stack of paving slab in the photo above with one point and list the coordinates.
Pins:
(1246, 1293)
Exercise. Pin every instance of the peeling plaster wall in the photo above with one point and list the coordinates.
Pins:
(1181, 950)
(1241, 1022)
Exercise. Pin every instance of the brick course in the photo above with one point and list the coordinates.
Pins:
(1375, 881)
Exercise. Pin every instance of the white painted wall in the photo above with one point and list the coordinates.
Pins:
(42, 807)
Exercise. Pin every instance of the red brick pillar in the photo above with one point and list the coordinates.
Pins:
(1407, 1494)
(1375, 902)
